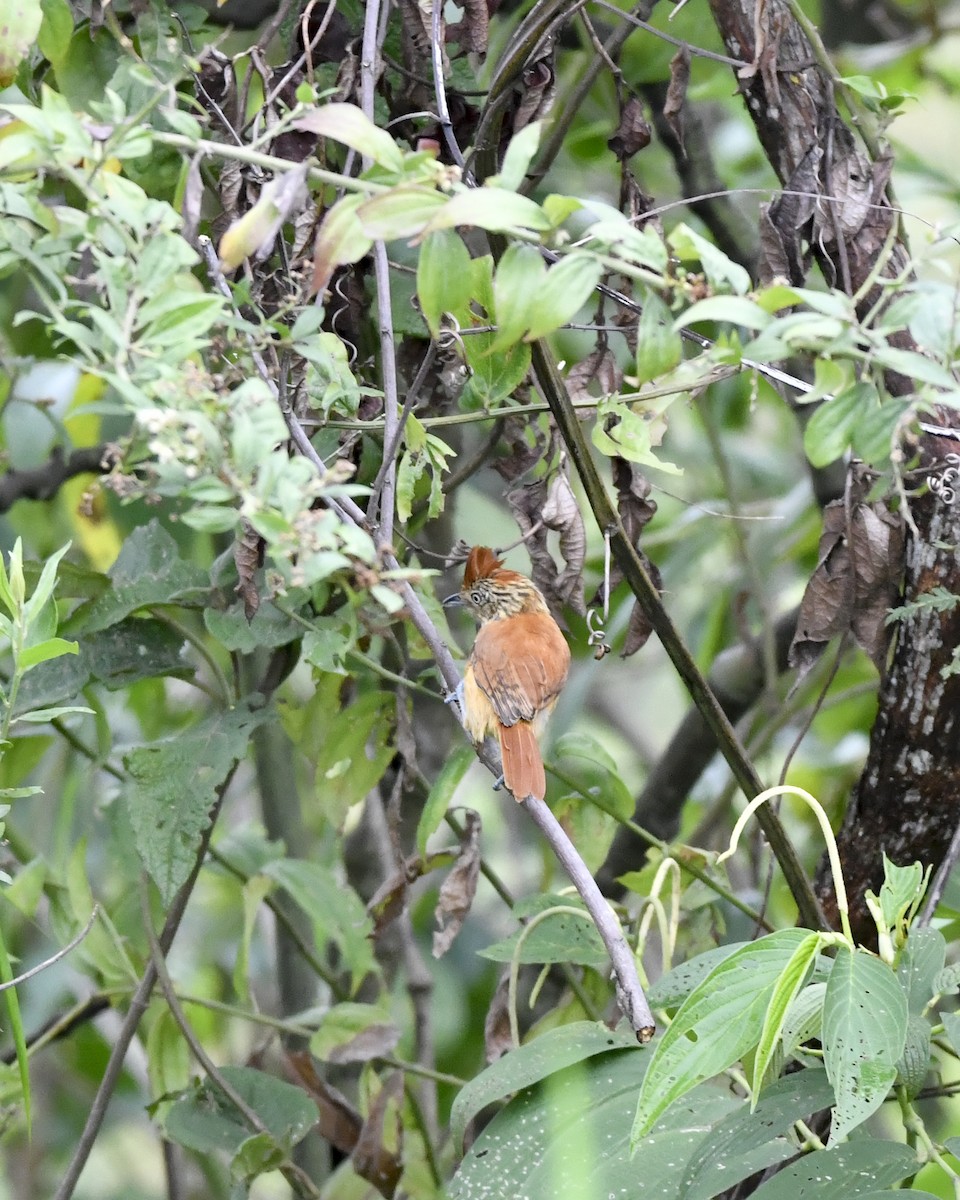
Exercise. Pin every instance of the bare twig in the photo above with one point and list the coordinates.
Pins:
(43, 482)
(695, 51)
(54, 958)
(940, 879)
(391, 446)
(443, 112)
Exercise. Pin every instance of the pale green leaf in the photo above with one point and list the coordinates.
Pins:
(490, 208)
(346, 123)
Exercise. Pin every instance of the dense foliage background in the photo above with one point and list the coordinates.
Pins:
(298, 301)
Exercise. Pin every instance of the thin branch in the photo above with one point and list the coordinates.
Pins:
(642, 587)
(392, 445)
(439, 91)
(940, 879)
(138, 1007)
(695, 51)
(43, 482)
(54, 958)
(297, 1178)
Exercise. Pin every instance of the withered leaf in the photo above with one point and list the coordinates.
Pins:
(634, 505)
(338, 1121)
(371, 1159)
(639, 627)
(538, 85)
(562, 514)
(633, 133)
(387, 902)
(472, 31)
(855, 582)
(459, 888)
(525, 443)
(677, 92)
(248, 555)
(599, 368)
(527, 505)
(497, 1038)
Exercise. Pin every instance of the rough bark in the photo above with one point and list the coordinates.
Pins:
(905, 804)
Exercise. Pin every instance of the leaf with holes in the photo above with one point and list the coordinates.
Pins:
(720, 1021)
(864, 1032)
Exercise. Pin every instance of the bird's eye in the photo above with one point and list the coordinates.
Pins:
(476, 596)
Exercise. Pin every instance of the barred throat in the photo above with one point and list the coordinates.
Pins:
(508, 597)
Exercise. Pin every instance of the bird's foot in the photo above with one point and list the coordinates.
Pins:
(456, 697)
(498, 783)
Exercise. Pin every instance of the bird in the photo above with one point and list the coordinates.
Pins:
(516, 669)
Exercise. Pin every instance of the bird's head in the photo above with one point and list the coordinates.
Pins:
(491, 591)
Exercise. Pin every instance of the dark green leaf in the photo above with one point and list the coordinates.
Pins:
(443, 276)
(438, 801)
(857, 1169)
(173, 786)
(828, 432)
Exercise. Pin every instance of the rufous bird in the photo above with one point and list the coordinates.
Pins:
(515, 672)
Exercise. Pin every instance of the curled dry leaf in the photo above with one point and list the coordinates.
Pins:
(371, 1159)
(248, 555)
(526, 447)
(338, 1122)
(473, 30)
(527, 505)
(856, 580)
(387, 902)
(598, 368)
(459, 888)
(633, 133)
(677, 92)
(561, 513)
(497, 1038)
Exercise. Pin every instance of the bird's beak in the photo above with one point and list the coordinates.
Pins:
(454, 601)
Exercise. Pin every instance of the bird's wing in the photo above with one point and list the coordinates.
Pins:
(520, 664)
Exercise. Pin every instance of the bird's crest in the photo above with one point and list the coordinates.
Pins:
(481, 563)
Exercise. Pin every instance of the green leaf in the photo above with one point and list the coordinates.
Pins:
(353, 1032)
(716, 1025)
(173, 786)
(523, 146)
(670, 990)
(528, 1064)
(347, 124)
(785, 991)
(558, 937)
(579, 769)
(52, 648)
(400, 213)
(735, 310)
(19, 25)
(864, 1031)
(720, 271)
(341, 239)
(355, 753)
(45, 585)
(12, 1003)
(442, 792)
(336, 910)
(56, 30)
(830, 428)
(149, 570)
(659, 345)
(913, 1065)
(267, 627)
(520, 277)
(569, 285)
(858, 1169)
(873, 435)
(490, 208)
(443, 276)
(901, 892)
(793, 1098)
(205, 1120)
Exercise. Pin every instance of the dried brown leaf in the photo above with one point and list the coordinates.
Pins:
(633, 133)
(527, 504)
(497, 1037)
(537, 87)
(339, 1123)
(371, 1159)
(374, 1041)
(459, 888)
(877, 546)
(677, 92)
(525, 443)
(598, 368)
(388, 901)
(634, 505)
(473, 30)
(561, 513)
(248, 555)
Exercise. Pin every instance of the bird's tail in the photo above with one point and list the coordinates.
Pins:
(522, 762)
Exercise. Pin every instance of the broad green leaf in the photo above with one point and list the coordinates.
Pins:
(578, 768)
(857, 1169)
(490, 208)
(914, 365)
(267, 627)
(873, 437)
(523, 146)
(796, 1097)
(913, 1065)
(670, 990)
(149, 570)
(353, 1032)
(346, 123)
(441, 793)
(864, 1030)
(558, 937)
(168, 1058)
(173, 786)
(45, 585)
(400, 213)
(569, 1138)
(255, 891)
(716, 1025)
(532, 1062)
(901, 891)
(56, 30)
(569, 285)
(355, 754)
(205, 1120)
(519, 280)
(785, 991)
(735, 310)
(336, 910)
(443, 276)
(830, 428)
(659, 346)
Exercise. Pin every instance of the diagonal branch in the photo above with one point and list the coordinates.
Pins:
(43, 482)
